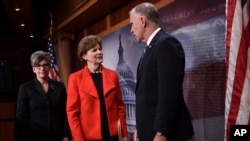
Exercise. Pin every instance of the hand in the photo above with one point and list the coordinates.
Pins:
(160, 138)
(124, 139)
(136, 136)
(66, 139)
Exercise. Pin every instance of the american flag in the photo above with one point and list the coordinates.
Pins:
(237, 102)
(53, 73)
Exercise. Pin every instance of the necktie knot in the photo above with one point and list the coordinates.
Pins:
(145, 48)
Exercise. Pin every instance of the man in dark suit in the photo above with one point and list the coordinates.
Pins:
(161, 112)
(41, 105)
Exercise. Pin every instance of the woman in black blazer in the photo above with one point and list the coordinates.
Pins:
(41, 105)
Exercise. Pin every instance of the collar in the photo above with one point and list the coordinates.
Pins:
(152, 35)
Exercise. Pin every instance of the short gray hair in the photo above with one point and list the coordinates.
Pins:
(148, 10)
(38, 56)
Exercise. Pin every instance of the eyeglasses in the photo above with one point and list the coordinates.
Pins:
(42, 66)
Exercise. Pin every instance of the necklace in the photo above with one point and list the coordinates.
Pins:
(99, 71)
(96, 71)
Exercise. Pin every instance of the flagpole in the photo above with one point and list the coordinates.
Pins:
(54, 72)
(51, 24)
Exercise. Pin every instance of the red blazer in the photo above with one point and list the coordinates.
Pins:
(83, 106)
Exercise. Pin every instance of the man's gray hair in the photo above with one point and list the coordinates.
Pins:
(148, 10)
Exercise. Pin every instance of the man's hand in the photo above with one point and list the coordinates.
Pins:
(136, 136)
(124, 139)
(66, 139)
(160, 138)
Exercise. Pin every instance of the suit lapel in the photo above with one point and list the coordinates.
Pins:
(108, 84)
(145, 57)
(52, 87)
(38, 88)
(87, 84)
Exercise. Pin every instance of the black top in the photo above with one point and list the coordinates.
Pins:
(97, 78)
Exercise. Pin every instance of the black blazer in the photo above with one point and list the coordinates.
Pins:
(41, 113)
(160, 104)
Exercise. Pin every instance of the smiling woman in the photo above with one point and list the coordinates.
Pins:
(97, 89)
(41, 103)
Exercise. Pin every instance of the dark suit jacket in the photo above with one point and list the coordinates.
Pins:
(160, 104)
(41, 113)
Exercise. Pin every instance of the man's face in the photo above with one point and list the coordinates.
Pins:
(137, 26)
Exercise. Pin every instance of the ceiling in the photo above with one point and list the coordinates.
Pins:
(36, 15)
(31, 14)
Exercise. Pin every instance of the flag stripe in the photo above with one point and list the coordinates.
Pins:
(237, 107)
(243, 115)
(232, 50)
(53, 73)
(240, 71)
(230, 70)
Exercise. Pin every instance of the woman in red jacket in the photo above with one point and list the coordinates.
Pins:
(94, 103)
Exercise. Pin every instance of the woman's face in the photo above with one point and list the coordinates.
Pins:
(94, 55)
(41, 69)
